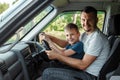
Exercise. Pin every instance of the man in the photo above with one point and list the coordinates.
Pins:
(96, 48)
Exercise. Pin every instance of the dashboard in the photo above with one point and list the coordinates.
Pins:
(30, 53)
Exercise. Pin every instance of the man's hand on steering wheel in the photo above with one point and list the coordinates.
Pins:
(46, 45)
(44, 39)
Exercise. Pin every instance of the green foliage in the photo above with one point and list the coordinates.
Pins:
(61, 20)
(3, 7)
(14, 1)
(100, 20)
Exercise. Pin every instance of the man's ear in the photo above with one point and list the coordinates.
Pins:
(97, 20)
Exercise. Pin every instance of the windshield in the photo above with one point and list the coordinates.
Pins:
(22, 16)
(10, 9)
(23, 30)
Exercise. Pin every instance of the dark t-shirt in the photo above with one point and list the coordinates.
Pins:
(78, 48)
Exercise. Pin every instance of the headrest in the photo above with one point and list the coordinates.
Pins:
(114, 25)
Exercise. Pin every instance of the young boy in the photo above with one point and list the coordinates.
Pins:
(74, 47)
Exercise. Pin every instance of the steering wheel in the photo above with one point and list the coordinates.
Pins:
(43, 54)
(46, 45)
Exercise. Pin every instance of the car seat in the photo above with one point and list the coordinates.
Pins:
(114, 39)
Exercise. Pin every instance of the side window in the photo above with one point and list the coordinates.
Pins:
(56, 27)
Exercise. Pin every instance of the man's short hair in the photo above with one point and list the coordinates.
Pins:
(90, 9)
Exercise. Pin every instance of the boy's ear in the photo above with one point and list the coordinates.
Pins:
(79, 33)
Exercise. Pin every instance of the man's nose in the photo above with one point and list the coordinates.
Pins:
(86, 22)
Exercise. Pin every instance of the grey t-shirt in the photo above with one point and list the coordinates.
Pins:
(96, 44)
